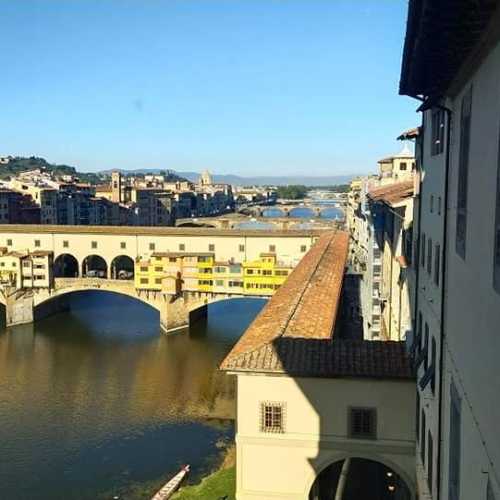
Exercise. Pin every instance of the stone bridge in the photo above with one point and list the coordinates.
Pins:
(316, 209)
(176, 311)
(281, 223)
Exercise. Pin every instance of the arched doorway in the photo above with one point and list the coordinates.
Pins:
(122, 268)
(65, 266)
(356, 478)
(94, 266)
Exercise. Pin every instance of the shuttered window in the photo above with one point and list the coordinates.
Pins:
(363, 423)
(454, 445)
(437, 263)
(496, 235)
(463, 174)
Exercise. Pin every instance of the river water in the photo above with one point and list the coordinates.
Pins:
(96, 402)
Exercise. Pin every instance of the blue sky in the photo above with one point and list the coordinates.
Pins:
(248, 87)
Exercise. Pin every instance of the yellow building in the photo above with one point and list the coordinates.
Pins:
(228, 277)
(264, 276)
(161, 272)
(26, 269)
(205, 272)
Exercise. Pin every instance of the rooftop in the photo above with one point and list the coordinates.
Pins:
(392, 194)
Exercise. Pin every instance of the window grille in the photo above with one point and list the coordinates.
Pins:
(272, 417)
(363, 423)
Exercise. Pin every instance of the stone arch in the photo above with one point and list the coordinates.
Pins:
(310, 214)
(399, 478)
(94, 266)
(122, 267)
(66, 266)
(273, 212)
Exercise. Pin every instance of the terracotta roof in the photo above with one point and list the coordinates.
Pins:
(411, 133)
(306, 304)
(392, 193)
(326, 358)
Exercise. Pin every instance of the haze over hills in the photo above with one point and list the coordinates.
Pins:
(307, 180)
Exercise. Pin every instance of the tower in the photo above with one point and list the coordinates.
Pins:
(116, 187)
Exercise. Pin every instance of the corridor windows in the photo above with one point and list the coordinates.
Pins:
(429, 256)
(463, 173)
(272, 417)
(422, 250)
(152, 246)
(65, 244)
(272, 248)
(363, 423)
(37, 243)
(437, 263)
(211, 247)
(123, 245)
(437, 130)
(93, 244)
(241, 248)
(182, 247)
(303, 248)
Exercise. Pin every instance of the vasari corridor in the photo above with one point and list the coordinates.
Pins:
(250, 250)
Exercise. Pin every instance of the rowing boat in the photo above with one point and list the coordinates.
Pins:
(169, 488)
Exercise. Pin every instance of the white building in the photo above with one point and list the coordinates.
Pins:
(452, 64)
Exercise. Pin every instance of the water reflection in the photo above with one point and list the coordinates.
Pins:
(97, 399)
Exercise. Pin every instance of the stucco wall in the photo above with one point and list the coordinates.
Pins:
(316, 431)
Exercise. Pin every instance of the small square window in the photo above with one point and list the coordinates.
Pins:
(94, 244)
(182, 247)
(9, 243)
(151, 246)
(272, 248)
(242, 248)
(303, 248)
(37, 243)
(123, 245)
(272, 417)
(211, 247)
(363, 423)
(65, 244)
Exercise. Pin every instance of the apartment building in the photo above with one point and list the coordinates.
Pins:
(26, 270)
(451, 64)
(265, 275)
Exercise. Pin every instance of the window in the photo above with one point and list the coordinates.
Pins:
(242, 248)
(9, 243)
(144, 269)
(303, 248)
(422, 436)
(439, 205)
(211, 247)
(426, 346)
(431, 203)
(26, 263)
(272, 248)
(272, 417)
(65, 244)
(422, 250)
(437, 263)
(417, 417)
(249, 271)
(430, 451)
(363, 423)
(496, 233)
(433, 365)
(463, 173)
(37, 243)
(94, 244)
(267, 272)
(152, 246)
(158, 269)
(219, 282)
(123, 245)
(144, 281)
(455, 444)
(158, 281)
(402, 165)
(429, 256)
(437, 130)
(182, 247)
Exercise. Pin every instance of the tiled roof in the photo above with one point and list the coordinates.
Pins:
(392, 193)
(326, 358)
(307, 303)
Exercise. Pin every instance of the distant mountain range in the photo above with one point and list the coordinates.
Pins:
(306, 180)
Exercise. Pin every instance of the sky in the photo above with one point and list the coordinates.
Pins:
(248, 87)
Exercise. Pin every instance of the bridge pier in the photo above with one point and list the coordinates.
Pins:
(176, 314)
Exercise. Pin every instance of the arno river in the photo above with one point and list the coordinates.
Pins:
(96, 402)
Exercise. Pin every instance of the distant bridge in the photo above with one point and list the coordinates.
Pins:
(316, 209)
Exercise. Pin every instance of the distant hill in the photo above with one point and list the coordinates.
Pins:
(237, 180)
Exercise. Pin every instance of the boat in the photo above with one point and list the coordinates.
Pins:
(169, 488)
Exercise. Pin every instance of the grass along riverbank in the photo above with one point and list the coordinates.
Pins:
(220, 484)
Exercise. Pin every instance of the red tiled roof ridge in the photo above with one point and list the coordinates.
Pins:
(286, 314)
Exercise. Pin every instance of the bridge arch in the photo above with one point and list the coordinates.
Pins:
(66, 266)
(94, 266)
(122, 267)
(390, 478)
(306, 212)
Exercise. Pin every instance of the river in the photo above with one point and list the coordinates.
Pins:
(96, 402)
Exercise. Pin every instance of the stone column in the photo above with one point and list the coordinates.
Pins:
(174, 315)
